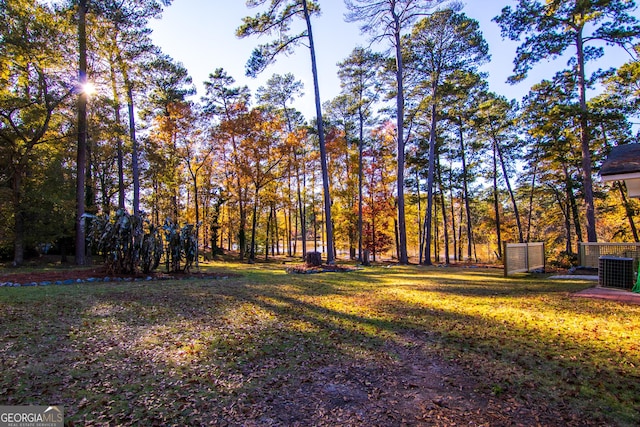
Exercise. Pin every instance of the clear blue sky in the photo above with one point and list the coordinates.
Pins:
(201, 35)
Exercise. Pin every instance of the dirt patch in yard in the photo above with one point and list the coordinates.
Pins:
(414, 388)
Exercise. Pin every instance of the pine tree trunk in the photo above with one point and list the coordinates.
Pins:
(323, 150)
(585, 143)
(445, 228)
(81, 159)
(465, 188)
(402, 229)
(420, 229)
(430, 179)
(516, 212)
(533, 186)
(266, 239)
(360, 181)
(496, 202)
(135, 170)
(18, 219)
(571, 200)
(453, 218)
(118, 120)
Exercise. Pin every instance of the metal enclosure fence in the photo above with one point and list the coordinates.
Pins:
(523, 257)
(590, 253)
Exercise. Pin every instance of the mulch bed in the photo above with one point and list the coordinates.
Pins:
(325, 268)
(97, 274)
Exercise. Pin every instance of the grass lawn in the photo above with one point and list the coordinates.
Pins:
(380, 346)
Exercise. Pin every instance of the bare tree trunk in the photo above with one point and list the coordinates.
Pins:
(295, 231)
(533, 186)
(229, 230)
(460, 218)
(584, 143)
(301, 210)
(465, 187)
(436, 232)
(266, 239)
(496, 203)
(420, 229)
(18, 219)
(118, 120)
(373, 232)
(507, 181)
(445, 228)
(423, 241)
(288, 221)
(242, 237)
(194, 176)
(402, 229)
(323, 150)
(571, 200)
(81, 159)
(254, 223)
(134, 152)
(516, 212)
(360, 180)
(453, 218)
(430, 178)
(276, 232)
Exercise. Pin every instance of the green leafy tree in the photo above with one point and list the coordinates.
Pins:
(125, 41)
(341, 149)
(358, 75)
(495, 120)
(32, 91)
(610, 114)
(462, 106)
(550, 28)
(227, 104)
(379, 173)
(548, 117)
(623, 87)
(277, 94)
(171, 119)
(439, 47)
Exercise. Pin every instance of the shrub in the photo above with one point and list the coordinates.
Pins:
(131, 243)
(181, 245)
(151, 251)
(565, 260)
(126, 241)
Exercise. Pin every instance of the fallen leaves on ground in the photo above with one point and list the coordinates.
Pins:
(348, 349)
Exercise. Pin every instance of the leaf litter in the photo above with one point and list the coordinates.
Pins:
(230, 354)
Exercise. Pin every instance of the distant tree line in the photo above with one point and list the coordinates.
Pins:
(415, 157)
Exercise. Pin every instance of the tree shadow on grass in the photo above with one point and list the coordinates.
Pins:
(271, 350)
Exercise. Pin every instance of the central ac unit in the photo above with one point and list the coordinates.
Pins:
(616, 272)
